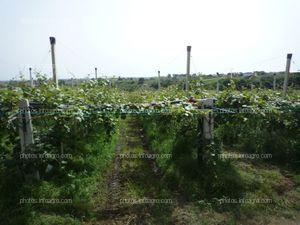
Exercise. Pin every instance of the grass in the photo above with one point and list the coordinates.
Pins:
(242, 180)
(77, 186)
(196, 192)
(139, 182)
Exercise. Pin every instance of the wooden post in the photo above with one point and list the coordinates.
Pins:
(287, 71)
(25, 125)
(96, 73)
(158, 73)
(30, 75)
(52, 42)
(188, 62)
(274, 81)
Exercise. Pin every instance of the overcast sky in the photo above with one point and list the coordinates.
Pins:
(139, 37)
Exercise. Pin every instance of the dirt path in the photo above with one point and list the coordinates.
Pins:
(135, 183)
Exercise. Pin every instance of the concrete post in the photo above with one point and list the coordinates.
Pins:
(52, 42)
(287, 71)
(158, 73)
(30, 75)
(188, 64)
(25, 125)
(205, 127)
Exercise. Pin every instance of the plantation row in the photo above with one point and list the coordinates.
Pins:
(74, 144)
(69, 150)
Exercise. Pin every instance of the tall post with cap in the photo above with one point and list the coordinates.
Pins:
(96, 72)
(158, 74)
(287, 71)
(188, 62)
(52, 42)
(30, 75)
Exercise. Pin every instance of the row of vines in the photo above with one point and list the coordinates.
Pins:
(73, 141)
(81, 123)
(250, 122)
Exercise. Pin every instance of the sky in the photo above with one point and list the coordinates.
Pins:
(139, 37)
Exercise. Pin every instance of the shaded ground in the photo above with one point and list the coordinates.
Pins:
(133, 179)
